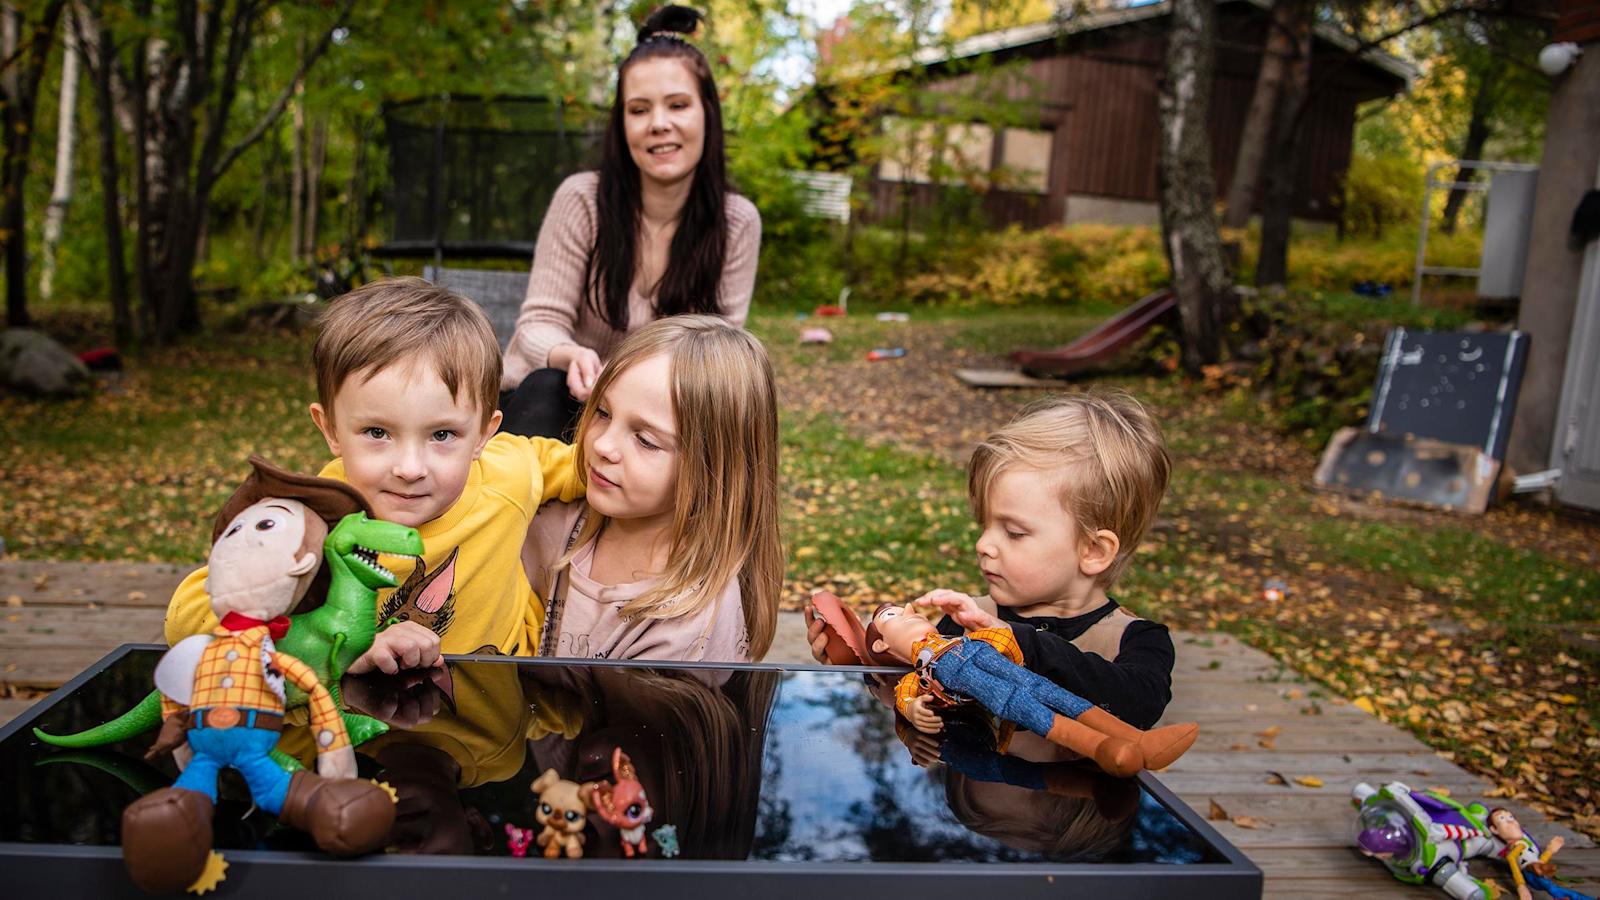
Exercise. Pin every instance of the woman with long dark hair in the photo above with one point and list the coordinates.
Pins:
(655, 232)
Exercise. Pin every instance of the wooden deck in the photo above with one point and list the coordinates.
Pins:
(1302, 836)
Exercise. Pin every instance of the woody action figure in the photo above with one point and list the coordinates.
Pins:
(985, 665)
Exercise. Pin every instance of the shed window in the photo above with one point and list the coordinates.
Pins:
(921, 152)
(1025, 159)
(907, 150)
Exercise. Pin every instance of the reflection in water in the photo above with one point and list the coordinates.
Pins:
(763, 765)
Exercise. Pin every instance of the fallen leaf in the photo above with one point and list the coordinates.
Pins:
(1217, 813)
(135, 596)
(41, 581)
(1310, 781)
(1249, 821)
(1364, 704)
(1275, 778)
(13, 601)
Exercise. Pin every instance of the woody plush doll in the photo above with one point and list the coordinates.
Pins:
(223, 699)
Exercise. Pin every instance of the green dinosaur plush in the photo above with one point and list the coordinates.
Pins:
(328, 638)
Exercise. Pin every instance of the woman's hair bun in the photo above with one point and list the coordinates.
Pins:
(670, 22)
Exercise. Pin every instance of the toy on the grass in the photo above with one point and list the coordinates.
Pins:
(328, 638)
(563, 813)
(222, 699)
(622, 803)
(1530, 868)
(1424, 837)
(985, 666)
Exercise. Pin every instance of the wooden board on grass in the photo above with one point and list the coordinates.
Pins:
(1004, 378)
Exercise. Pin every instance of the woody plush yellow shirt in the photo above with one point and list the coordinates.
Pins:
(470, 588)
(241, 671)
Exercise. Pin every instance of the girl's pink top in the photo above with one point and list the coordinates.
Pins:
(592, 625)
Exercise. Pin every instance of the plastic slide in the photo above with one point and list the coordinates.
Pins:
(1113, 335)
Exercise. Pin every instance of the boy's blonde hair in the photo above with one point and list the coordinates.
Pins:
(725, 509)
(404, 321)
(1108, 457)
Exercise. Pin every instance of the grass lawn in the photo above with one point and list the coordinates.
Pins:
(1479, 635)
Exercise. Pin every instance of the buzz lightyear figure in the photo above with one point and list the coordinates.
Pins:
(1424, 837)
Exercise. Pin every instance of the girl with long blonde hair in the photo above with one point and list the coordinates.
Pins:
(674, 553)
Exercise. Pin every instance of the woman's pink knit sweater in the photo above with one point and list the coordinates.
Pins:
(554, 312)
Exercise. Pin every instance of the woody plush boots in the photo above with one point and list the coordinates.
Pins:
(166, 838)
(1160, 747)
(1120, 748)
(345, 817)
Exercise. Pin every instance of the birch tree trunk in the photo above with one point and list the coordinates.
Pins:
(1200, 277)
(99, 54)
(66, 134)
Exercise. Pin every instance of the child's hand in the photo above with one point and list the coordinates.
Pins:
(403, 645)
(923, 718)
(815, 635)
(965, 610)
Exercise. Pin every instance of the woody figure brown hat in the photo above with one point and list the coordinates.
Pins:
(331, 500)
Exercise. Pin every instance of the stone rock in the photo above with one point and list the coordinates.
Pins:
(32, 362)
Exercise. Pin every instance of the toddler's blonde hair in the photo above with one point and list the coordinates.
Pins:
(1103, 450)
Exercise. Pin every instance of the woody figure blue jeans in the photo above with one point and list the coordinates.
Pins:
(239, 748)
(1004, 688)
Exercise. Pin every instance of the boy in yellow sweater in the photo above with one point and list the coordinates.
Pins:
(408, 378)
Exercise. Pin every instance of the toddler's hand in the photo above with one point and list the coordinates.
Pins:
(403, 645)
(922, 716)
(815, 635)
(965, 610)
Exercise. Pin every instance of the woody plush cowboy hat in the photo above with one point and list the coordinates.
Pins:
(331, 500)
